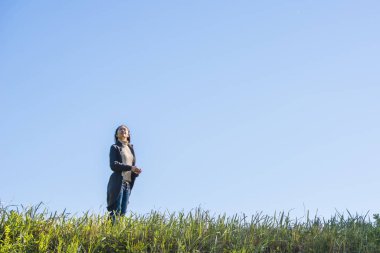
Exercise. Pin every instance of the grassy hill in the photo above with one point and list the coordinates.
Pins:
(32, 230)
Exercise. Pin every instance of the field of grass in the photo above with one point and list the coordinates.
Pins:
(33, 230)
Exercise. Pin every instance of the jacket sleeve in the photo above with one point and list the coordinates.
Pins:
(134, 175)
(115, 164)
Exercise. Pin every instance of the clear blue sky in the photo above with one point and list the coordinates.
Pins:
(234, 106)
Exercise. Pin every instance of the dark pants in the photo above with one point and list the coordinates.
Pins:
(120, 206)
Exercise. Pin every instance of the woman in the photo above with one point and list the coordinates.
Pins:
(122, 162)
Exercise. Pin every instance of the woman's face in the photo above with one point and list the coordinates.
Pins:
(123, 133)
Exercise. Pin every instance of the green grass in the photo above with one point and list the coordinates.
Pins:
(33, 230)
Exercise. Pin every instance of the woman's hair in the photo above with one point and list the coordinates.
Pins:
(117, 129)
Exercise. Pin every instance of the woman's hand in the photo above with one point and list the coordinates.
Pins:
(136, 170)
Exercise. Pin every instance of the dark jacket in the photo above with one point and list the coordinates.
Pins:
(116, 179)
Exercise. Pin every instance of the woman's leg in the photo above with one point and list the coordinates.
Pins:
(126, 191)
(116, 208)
(122, 200)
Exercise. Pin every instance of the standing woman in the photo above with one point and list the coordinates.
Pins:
(122, 163)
